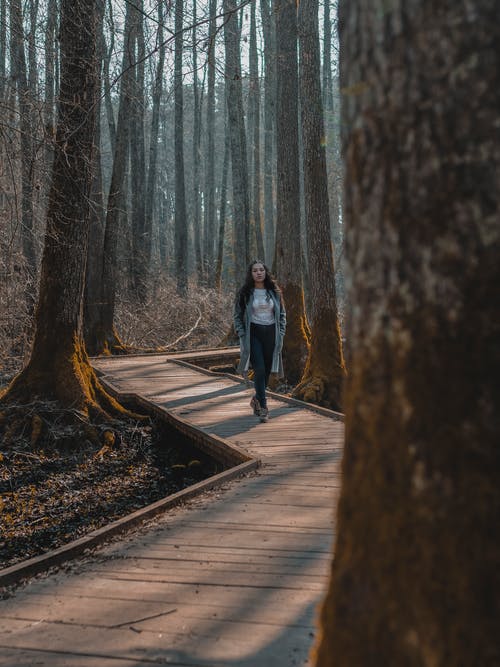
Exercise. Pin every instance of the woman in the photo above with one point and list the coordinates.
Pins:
(260, 322)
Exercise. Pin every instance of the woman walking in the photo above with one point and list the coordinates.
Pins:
(260, 322)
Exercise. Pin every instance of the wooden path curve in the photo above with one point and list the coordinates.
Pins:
(232, 578)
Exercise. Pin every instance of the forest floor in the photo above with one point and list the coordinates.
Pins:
(50, 496)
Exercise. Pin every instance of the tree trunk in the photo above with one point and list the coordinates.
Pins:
(222, 211)
(58, 369)
(103, 338)
(32, 62)
(415, 575)
(3, 47)
(153, 143)
(19, 71)
(180, 188)
(288, 259)
(236, 125)
(327, 90)
(254, 105)
(93, 275)
(50, 87)
(209, 237)
(325, 370)
(140, 238)
(106, 80)
(269, 123)
(197, 225)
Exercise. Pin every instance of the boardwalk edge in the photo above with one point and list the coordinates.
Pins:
(219, 448)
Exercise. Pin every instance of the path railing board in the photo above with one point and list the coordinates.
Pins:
(232, 578)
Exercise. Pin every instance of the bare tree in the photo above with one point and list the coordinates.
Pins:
(101, 335)
(180, 188)
(415, 573)
(288, 258)
(325, 370)
(209, 208)
(140, 237)
(222, 209)
(25, 101)
(254, 131)
(3, 46)
(153, 142)
(236, 127)
(268, 29)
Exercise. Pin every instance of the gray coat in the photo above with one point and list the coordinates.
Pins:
(242, 327)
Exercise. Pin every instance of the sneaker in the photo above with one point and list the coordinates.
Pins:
(263, 414)
(255, 405)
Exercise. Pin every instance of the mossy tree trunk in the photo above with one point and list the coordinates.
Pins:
(58, 369)
(288, 258)
(325, 370)
(415, 575)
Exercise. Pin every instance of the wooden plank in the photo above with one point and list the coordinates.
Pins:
(254, 554)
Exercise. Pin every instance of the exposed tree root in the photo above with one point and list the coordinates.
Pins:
(325, 371)
(319, 389)
(64, 398)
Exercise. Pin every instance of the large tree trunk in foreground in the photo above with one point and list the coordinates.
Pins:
(415, 578)
(325, 370)
(58, 369)
(288, 260)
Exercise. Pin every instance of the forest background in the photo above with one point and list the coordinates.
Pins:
(177, 211)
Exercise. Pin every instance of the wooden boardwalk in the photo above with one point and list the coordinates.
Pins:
(233, 578)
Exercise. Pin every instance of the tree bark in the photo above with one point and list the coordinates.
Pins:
(325, 370)
(50, 86)
(141, 239)
(415, 574)
(288, 259)
(180, 188)
(327, 89)
(93, 275)
(3, 47)
(236, 125)
(102, 338)
(153, 143)
(268, 29)
(209, 218)
(58, 369)
(254, 104)
(106, 80)
(222, 211)
(197, 225)
(19, 71)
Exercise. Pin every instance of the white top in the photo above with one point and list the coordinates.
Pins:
(262, 307)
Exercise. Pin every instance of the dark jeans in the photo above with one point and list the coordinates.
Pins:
(261, 357)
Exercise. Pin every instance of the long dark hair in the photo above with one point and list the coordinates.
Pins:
(270, 284)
